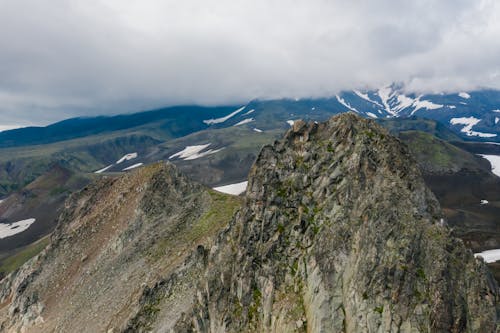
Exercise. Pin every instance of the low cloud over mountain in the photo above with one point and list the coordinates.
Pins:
(65, 58)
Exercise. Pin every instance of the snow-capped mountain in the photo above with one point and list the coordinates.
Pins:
(473, 115)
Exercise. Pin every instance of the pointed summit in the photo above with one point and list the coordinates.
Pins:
(340, 234)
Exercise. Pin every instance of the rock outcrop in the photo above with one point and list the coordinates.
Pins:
(337, 233)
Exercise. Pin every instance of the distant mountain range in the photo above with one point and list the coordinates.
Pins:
(470, 115)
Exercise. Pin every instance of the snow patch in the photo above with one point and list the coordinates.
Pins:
(484, 202)
(127, 157)
(496, 111)
(223, 119)
(344, 103)
(385, 94)
(245, 121)
(194, 152)
(451, 106)
(371, 115)
(464, 95)
(470, 122)
(103, 169)
(495, 163)
(257, 130)
(489, 256)
(418, 104)
(290, 122)
(483, 135)
(10, 229)
(249, 112)
(235, 189)
(404, 102)
(133, 166)
(497, 120)
(367, 98)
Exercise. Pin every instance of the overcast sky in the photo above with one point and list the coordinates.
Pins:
(62, 58)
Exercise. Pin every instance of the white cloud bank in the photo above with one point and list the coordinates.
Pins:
(63, 58)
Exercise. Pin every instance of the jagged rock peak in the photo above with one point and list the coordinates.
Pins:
(340, 234)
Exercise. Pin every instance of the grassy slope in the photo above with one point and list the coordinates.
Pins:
(460, 180)
(398, 125)
(436, 155)
(222, 208)
(241, 146)
(19, 166)
(15, 261)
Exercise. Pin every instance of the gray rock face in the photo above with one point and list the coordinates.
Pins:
(340, 234)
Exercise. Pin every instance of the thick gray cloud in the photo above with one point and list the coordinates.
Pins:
(61, 58)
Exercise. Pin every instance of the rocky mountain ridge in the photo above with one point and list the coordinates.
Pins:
(114, 239)
(337, 233)
(340, 234)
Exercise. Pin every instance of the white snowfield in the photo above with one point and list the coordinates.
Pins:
(344, 103)
(10, 229)
(495, 163)
(103, 169)
(404, 102)
(235, 189)
(290, 122)
(385, 95)
(194, 152)
(223, 119)
(497, 120)
(468, 123)
(245, 121)
(371, 115)
(418, 104)
(464, 95)
(257, 130)
(484, 202)
(367, 98)
(127, 157)
(249, 112)
(496, 111)
(489, 256)
(133, 166)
